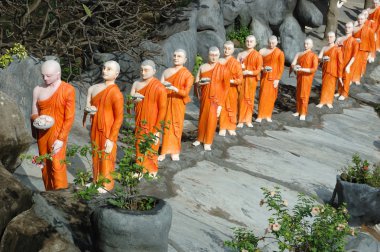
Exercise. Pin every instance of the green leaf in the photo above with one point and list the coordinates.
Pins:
(87, 10)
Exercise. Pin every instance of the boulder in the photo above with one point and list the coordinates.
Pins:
(308, 14)
(28, 232)
(210, 17)
(291, 38)
(14, 199)
(261, 31)
(206, 39)
(231, 10)
(15, 138)
(18, 81)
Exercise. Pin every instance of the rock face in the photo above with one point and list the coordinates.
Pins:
(14, 136)
(204, 23)
(28, 232)
(18, 81)
(15, 198)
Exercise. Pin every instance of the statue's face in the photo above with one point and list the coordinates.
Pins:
(331, 38)
(349, 28)
(272, 43)
(308, 44)
(213, 56)
(179, 58)
(361, 19)
(147, 72)
(50, 74)
(109, 72)
(250, 42)
(228, 50)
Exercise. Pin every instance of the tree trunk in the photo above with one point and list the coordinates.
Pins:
(332, 17)
(368, 4)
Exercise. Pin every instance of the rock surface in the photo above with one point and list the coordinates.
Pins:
(15, 139)
(14, 197)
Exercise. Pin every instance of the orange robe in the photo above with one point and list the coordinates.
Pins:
(331, 71)
(268, 94)
(149, 113)
(228, 116)
(375, 16)
(60, 106)
(105, 125)
(366, 47)
(349, 49)
(253, 62)
(212, 96)
(305, 80)
(175, 111)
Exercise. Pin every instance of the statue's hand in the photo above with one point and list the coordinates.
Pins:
(57, 145)
(218, 110)
(157, 135)
(275, 83)
(108, 146)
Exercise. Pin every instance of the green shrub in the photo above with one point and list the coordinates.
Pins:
(17, 50)
(240, 35)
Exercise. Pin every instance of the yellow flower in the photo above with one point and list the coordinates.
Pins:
(285, 203)
(272, 193)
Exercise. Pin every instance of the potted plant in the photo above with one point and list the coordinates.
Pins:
(307, 227)
(358, 185)
(127, 220)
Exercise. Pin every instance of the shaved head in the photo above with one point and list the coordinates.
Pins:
(309, 40)
(229, 43)
(272, 38)
(181, 51)
(250, 37)
(149, 63)
(113, 64)
(213, 49)
(51, 67)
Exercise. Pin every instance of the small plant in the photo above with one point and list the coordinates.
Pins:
(361, 172)
(239, 35)
(197, 64)
(37, 160)
(17, 50)
(308, 227)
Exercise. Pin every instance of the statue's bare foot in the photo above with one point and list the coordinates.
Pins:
(296, 114)
(249, 125)
(336, 95)
(269, 119)
(357, 83)
(258, 120)
(102, 190)
(341, 98)
(207, 147)
(302, 117)
(240, 125)
(161, 157)
(153, 175)
(320, 105)
(330, 106)
(232, 132)
(222, 132)
(175, 157)
(196, 143)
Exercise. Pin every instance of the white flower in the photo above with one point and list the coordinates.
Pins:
(340, 227)
(272, 193)
(315, 211)
(285, 203)
(276, 227)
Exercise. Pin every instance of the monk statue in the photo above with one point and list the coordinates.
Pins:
(150, 111)
(56, 99)
(178, 81)
(273, 67)
(305, 65)
(374, 15)
(349, 47)
(251, 63)
(213, 78)
(331, 58)
(367, 48)
(105, 104)
(228, 116)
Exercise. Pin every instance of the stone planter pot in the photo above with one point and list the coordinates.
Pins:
(363, 201)
(117, 229)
